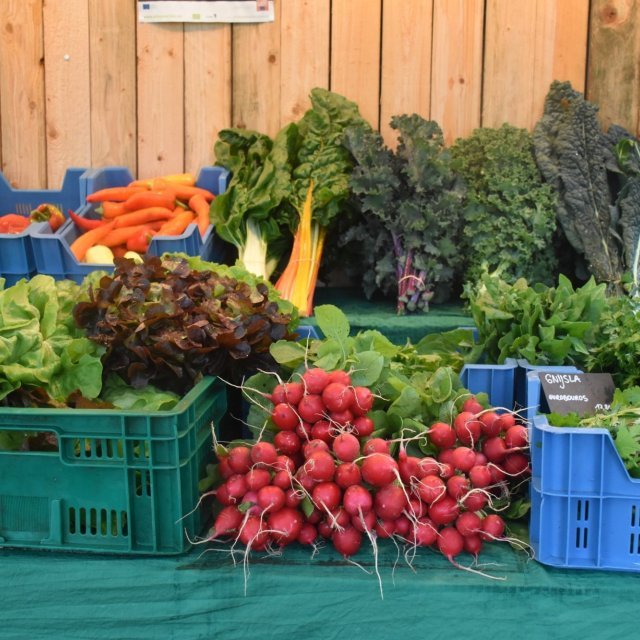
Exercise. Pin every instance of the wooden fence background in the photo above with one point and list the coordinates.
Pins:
(83, 84)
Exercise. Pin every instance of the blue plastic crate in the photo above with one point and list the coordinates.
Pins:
(17, 259)
(496, 380)
(585, 508)
(53, 255)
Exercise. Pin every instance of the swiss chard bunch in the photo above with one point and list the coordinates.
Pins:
(509, 213)
(544, 325)
(411, 205)
(165, 323)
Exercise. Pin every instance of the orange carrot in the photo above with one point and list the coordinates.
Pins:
(120, 236)
(142, 216)
(117, 194)
(111, 209)
(177, 224)
(83, 243)
(184, 192)
(165, 198)
(201, 208)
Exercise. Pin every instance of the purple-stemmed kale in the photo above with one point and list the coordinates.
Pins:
(164, 323)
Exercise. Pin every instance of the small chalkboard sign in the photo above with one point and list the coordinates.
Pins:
(581, 393)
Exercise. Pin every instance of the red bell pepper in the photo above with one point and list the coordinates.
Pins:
(13, 223)
(141, 240)
(50, 213)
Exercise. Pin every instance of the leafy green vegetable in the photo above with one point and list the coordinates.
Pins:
(166, 324)
(121, 396)
(411, 204)
(509, 214)
(544, 325)
(40, 347)
(573, 155)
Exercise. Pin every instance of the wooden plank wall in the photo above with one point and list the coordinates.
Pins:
(82, 83)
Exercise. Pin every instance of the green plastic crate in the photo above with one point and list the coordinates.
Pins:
(120, 482)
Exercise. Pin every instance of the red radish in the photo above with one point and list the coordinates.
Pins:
(292, 498)
(514, 464)
(226, 522)
(341, 418)
(325, 529)
(375, 445)
(506, 421)
(311, 408)
(416, 508)
(424, 532)
(389, 502)
(450, 542)
(363, 401)
(347, 541)
(446, 456)
(284, 417)
(337, 396)
(495, 449)
(315, 516)
(304, 480)
(239, 459)
(430, 489)
(463, 458)
(223, 497)
(472, 405)
(347, 474)
(446, 470)
(357, 499)
(481, 459)
(409, 468)
(497, 474)
(442, 435)
(308, 534)
(314, 445)
(237, 486)
(340, 376)
(473, 544)
(264, 454)
(303, 429)
(271, 498)
(323, 430)
(284, 525)
(379, 469)
(516, 436)
(480, 476)
(287, 442)
(282, 479)
(468, 523)
(475, 500)
(468, 429)
(253, 535)
(258, 478)
(403, 526)
(492, 527)
(364, 522)
(288, 392)
(444, 511)
(346, 447)
(315, 380)
(457, 486)
(251, 499)
(490, 425)
(326, 495)
(284, 463)
(339, 517)
(428, 466)
(385, 528)
(363, 426)
(320, 466)
(224, 469)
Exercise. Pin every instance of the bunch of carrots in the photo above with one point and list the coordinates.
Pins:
(131, 215)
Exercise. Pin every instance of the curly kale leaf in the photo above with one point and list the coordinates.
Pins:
(510, 214)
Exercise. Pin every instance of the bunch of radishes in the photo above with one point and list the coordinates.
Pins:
(325, 477)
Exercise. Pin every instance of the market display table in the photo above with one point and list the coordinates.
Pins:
(195, 597)
(381, 315)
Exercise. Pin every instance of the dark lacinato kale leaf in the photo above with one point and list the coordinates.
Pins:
(166, 324)
(410, 201)
(573, 154)
(510, 214)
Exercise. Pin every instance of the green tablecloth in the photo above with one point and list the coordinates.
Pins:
(193, 597)
(381, 315)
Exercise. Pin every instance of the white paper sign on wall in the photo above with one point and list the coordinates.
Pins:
(237, 11)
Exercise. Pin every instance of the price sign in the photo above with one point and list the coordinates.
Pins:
(581, 393)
